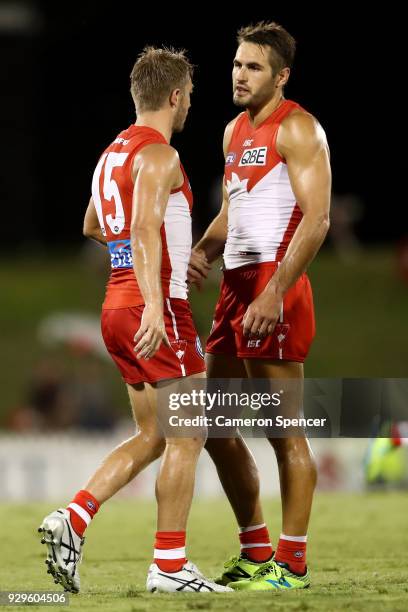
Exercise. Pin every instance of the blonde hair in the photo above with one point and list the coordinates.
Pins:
(156, 73)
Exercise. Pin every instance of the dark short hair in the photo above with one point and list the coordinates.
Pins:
(156, 73)
(281, 43)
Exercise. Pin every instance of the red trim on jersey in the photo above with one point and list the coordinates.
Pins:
(294, 221)
(166, 268)
(184, 183)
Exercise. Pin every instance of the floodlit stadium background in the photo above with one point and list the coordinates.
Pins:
(64, 97)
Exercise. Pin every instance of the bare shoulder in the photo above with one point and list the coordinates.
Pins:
(228, 133)
(158, 154)
(300, 128)
(155, 158)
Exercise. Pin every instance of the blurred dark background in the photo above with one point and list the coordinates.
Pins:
(65, 83)
(64, 98)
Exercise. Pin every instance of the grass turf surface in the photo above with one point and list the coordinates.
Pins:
(357, 553)
(360, 312)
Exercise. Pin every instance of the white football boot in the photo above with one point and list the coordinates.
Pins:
(64, 549)
(188, 580)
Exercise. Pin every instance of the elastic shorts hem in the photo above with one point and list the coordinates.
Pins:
(274, 357)
(232, 354)
(252, 356)
(153, 380)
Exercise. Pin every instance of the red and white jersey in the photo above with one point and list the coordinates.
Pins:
(263, 214)
(112, 193)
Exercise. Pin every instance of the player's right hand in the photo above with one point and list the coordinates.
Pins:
(151, 333)
(198, 268)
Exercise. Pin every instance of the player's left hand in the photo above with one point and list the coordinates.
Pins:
(262, 315)
(198, 268)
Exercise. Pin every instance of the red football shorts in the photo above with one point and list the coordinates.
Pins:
(183, 359)
(293, 333)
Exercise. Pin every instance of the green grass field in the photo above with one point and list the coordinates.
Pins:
(361, 314)
(358, 555)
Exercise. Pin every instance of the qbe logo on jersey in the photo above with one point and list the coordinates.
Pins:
(254, 157)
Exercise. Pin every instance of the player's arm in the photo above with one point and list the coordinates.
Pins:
(158, 170)
(302, 143)
(211, 245)
(91, 228)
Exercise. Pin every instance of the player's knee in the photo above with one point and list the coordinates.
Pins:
(157, 445)
(293, 449)
(150, 438)
(192, 444)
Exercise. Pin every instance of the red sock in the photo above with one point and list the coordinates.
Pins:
(170, 550)
(399, 433)
(255, 543)
(82, 510)
(292, 550)
(395, 435)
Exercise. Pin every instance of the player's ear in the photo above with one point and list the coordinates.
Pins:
(283, 77)
(175, 97)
